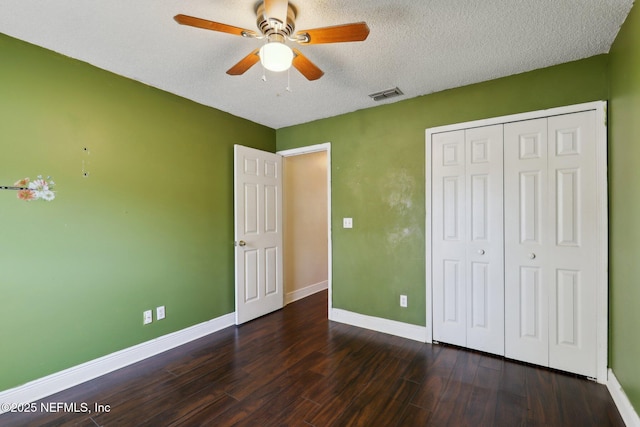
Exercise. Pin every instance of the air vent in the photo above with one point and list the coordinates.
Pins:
(389, 93)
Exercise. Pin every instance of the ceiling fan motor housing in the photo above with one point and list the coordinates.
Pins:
(270, 26)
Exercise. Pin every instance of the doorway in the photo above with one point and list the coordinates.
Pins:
(307, 221)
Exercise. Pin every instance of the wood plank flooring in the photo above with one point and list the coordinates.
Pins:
(295, 368)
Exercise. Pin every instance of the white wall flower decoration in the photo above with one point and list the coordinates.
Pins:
(38, 189)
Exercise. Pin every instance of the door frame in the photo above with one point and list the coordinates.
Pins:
(314, 149)
(602, 237)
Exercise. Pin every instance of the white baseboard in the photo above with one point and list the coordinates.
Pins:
(305, 292)
(54, 383)
(392, 327)
(627, 412)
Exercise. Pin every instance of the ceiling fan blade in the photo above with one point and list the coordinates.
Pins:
(355, 32)
(213, 26)
(306, 67)
(244, 64)
(276, 9)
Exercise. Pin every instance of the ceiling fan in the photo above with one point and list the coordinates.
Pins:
(276, 22)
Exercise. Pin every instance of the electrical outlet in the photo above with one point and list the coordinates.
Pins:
(403, 300)
(347, 222)
(147, 317)
(160, 313)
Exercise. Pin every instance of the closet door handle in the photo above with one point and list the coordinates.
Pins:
(532, 256)
(481, 252)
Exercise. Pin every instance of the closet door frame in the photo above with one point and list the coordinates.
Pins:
(600, 108)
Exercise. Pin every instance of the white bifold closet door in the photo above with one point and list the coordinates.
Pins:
(550, 242)
(467, 240)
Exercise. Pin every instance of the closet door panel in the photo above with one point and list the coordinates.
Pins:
(529, 289)
(449, 238)
(485, 255)
(527, 232)
(572, 252)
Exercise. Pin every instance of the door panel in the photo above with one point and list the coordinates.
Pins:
(451, 285)
(251, 269)
(527, 231)
(530, 212)
(449, 238)
(480, 207)
(258, 233)
(529, 304)
(271, 209)
(480, 304)
(452, 218)
(271, 270)
(567, 206)
(485, 255)
(549, 242)
(573, 251)
(567, 299)
(250, 211)
(468, 269)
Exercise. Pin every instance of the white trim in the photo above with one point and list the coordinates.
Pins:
(305, 150)
(627, 412)
(600, 108)
(428, 241)
(602, 241)
(305, 292)
(386, 326)
(313, 149)
(557, 111)
(56, 382)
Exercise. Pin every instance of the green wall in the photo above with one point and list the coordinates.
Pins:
(151, 224)
(378, 177)
(624, 216)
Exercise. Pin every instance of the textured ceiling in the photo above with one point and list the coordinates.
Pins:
(420, 46)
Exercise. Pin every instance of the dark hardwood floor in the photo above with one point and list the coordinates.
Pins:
(295, 368)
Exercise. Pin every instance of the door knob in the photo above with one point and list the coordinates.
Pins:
(481, 252)
(532, 256)
(242, 243)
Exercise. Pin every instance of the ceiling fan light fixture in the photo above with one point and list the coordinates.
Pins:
(276, 56)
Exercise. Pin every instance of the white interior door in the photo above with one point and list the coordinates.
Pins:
(258, 233)
(467, 238)
(573, 252)
(527, 233)
(485, 242)
(550, 242)
(449, 238)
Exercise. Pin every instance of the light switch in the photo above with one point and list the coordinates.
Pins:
(347, 222)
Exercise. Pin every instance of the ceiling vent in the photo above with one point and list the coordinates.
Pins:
(389, 93)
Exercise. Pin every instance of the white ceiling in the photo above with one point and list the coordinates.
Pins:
(420, 46)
